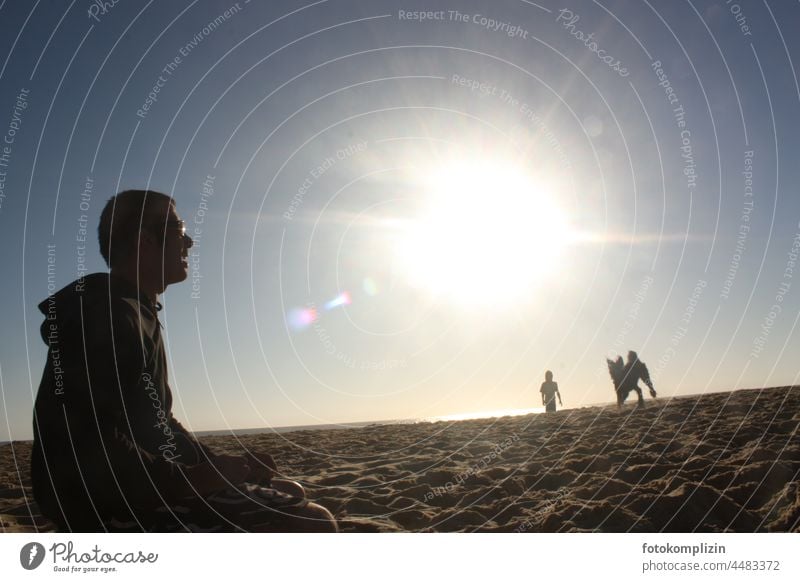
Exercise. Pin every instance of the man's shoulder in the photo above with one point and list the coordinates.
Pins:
(108, 307)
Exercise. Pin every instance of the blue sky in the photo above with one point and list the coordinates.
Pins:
(320, 128)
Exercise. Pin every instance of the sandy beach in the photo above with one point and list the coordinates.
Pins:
(710, 463)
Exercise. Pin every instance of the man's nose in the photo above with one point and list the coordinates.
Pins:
(187, 241)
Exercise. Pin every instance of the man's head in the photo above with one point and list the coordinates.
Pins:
(141, 235)
(632, 357)
(548, 376)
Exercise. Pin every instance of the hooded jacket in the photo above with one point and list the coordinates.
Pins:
(106, 445)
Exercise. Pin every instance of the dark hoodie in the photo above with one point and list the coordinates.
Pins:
(106, 445)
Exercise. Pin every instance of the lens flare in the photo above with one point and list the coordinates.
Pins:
(300, 318)
(341, 299)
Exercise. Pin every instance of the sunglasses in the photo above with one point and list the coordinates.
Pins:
(177, 225)
(180, 226)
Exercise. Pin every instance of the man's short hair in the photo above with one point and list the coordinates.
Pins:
(124, 217)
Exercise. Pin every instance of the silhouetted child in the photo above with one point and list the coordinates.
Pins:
(549, 392)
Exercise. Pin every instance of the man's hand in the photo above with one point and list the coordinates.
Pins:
(229, 470)
(203, 479)
(223, 472)
(262, 467)
(234, 469)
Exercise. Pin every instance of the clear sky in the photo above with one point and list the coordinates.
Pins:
(401, 214)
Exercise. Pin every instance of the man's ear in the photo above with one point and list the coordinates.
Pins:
(148, 239)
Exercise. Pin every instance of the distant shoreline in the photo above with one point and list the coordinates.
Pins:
(301, 427)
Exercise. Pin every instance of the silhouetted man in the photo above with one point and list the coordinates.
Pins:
(108, 454)
(637, 370)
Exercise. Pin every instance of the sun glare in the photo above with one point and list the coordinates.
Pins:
(488, 234)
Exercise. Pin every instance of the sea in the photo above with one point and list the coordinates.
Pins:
(349, 425)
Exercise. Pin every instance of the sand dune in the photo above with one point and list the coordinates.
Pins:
(710, 463)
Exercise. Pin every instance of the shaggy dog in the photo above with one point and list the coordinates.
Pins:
(626, 377)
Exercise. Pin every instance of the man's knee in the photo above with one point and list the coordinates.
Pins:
(292, 488)
(315, 518)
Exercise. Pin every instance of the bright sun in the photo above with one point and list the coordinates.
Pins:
(487, 235)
